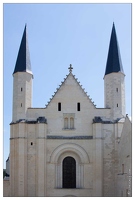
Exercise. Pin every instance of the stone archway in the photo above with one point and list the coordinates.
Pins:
(78, 154)
(84, 158)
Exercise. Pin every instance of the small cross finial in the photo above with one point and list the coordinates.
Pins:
(70, 68)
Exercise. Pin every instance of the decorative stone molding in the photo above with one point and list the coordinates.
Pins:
(70, 137)
(80, 156)
(68, 147)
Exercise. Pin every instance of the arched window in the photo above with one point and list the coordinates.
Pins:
(69, 172)
(71, 122)
(66, 123)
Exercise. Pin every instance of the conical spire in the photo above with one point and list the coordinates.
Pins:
(23, 63)
(114, 63)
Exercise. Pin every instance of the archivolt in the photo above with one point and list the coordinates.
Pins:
(68, 147)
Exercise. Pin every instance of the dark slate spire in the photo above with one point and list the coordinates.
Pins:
(114, 63)
(23, 59)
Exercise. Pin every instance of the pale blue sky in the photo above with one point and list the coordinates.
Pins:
(59, 35)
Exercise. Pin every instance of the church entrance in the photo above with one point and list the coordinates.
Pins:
(69, 172)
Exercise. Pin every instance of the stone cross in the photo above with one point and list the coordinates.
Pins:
(70, 68)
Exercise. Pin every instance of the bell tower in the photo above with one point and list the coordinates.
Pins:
(114, 79)
(22, 81)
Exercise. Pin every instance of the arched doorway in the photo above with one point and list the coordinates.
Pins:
(69, 172)
(69, 150)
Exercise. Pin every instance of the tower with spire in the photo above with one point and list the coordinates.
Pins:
(22, 81)
(114, 85)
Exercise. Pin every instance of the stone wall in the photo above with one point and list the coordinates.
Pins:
(22, 95)
(6, 188)
(108, 160)
(114, 90)
(124, 174)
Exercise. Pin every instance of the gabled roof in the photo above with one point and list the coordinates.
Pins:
(62, 83)
(114, 63)
(23, 63)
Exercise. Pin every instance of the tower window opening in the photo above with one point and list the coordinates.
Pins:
(122, 168)
(78, 106)
(21, 89)
(21, 104)
(31, 143)
(59, 106)
(117, 104)
(116, 89)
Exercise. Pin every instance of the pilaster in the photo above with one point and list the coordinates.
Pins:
(97, 160)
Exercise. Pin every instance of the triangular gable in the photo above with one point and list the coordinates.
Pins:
(63, 82)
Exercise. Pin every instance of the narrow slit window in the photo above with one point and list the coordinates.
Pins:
(21, 89)
(78, 106)
(116, 89)
(21, 104)
(59, 106)
(117, 105)
(31, 143)
(122, 168)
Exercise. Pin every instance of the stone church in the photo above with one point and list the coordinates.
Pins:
(70, 147)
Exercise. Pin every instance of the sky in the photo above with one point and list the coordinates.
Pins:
(60, 35)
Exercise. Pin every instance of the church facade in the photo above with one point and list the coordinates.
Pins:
(70, 147)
